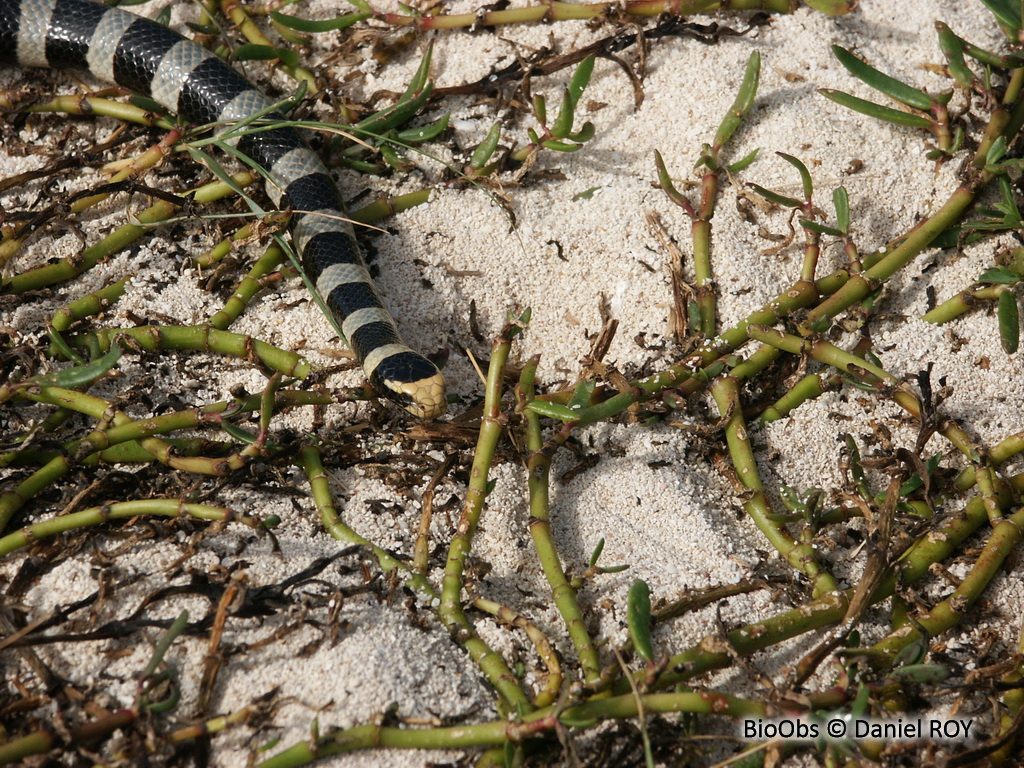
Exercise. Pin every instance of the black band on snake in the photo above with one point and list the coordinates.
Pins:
(141, 55)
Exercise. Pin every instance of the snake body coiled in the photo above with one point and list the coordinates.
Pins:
(145, 57)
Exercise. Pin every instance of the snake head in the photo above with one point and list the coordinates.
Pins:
(413, 382)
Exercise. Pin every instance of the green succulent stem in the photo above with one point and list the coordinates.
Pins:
(42, 741)
(311, 463)
(554, 677)
(88, 306)
(538, 472)
(1001, 542)
(920, 237)
(830, 608)
(561, 11)
(964, 302)
(801, 556)
(117, 240)
(451, 611)
(870, 374)
(249, 286)
(122, 510)
(239, 16)
(501, 731)
(196, 338)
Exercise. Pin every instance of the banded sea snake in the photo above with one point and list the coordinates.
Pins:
(145, 57)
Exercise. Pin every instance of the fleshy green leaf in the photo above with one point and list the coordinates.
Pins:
(553, 410)
(952, 48)
(821, 229)
(582, 394)
(586, 194)
(585, 133)
(922, 674)
(774, 197)
(742, 163)
(871, 109)
(252, 52)
(239, 434)
(394, 158)
(596, 554)
(744, 101)
(424, 132)
(805, 175)
(203, 29)
(580, 79)
(482, 154)
(665, 182)
(566, 114)
(561, 146)
(326, 25)
(999, 276)
(1009, 321)
(540, 108)
(996, 151)
(83, 374)
(1007, 13)
(638, 618)
(890, 86)
(841, 201)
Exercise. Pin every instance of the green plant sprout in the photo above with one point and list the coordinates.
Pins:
(701, 311)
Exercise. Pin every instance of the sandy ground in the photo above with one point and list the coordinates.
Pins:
(580, 240)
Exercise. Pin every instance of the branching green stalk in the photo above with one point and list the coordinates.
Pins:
(538, 469)
(829, 609)
(827, 353)
(700, 228)
(90, 104)
(128, 430)
(116, 511)
(121, 238)
(963, 302)
(919, 238)
(801, 556)
(249, 286)
(42, 741)
(215, 725)
(451, 611)
(1005, 536)
(1013, 700)
(501, 731)
(90, 305)
(561, 11)
(130, 452)
(811, 386)
(553, 679)
(238, 15)
(197, 338)
(383, 207)
(100, 439)
(120, 172)
(310, 462)
(689, 374)
(375, 736)
(1003, 451)
(223, 248)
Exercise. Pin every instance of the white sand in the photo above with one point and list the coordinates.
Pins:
(658, 503)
